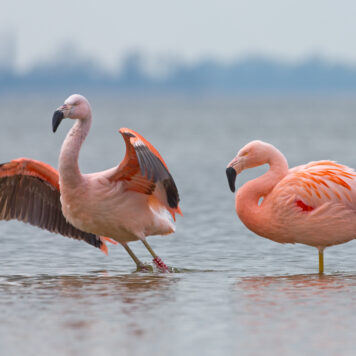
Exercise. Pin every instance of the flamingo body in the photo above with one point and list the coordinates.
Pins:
(123, 204)
(107, 208)
(312, 204)
(126, 203)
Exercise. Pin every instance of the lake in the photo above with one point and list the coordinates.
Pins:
(235, 294)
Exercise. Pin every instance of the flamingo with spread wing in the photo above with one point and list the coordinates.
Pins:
(119, 205)
(312, 204)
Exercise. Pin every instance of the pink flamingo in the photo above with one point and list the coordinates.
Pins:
(312, 204)
(119, 205)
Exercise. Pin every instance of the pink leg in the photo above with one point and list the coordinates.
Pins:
(156, 259)
(160, 264)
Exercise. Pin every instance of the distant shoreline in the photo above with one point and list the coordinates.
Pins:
(250, 76)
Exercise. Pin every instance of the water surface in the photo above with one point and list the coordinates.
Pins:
(237, 293)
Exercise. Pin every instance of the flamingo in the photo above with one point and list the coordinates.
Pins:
(122, 204)
(313, 204)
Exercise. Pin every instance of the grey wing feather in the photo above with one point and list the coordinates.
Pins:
(34, 201)
(152, 167)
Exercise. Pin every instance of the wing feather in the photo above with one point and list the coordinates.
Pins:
(143, 169)
(29, 192)
(317, 183)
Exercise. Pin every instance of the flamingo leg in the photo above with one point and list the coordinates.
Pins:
(321, 261)
(156, 259)
(140, 266)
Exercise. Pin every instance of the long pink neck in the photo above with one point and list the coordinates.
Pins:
(68, 159)
(247, 198)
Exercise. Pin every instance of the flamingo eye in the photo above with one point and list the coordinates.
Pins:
(244, 154)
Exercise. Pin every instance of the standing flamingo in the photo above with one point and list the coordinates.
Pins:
(312, 204)
(123, 204)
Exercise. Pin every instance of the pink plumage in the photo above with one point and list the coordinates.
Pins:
(125, 203)
(312, 204)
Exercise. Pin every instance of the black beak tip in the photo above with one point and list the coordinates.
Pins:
(58, 116)
(231, 177)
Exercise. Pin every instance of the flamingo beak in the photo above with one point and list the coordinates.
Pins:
(58, 116)
(231, 177)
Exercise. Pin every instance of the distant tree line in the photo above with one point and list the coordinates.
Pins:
(250, 75)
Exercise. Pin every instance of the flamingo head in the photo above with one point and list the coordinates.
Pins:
(75, 107)
(254, 154)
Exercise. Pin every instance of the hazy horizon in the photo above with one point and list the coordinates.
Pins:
(185, 31)
(249, 75)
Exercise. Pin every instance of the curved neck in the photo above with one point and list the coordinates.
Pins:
(69, 172)
(247, 197)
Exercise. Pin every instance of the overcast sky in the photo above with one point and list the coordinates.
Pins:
(186, 29)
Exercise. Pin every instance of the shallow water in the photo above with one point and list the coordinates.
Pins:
(237, 293)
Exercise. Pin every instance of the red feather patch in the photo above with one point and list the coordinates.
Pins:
(303, 206)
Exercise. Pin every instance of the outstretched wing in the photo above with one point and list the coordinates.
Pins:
(29, 192)
(144, 171)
